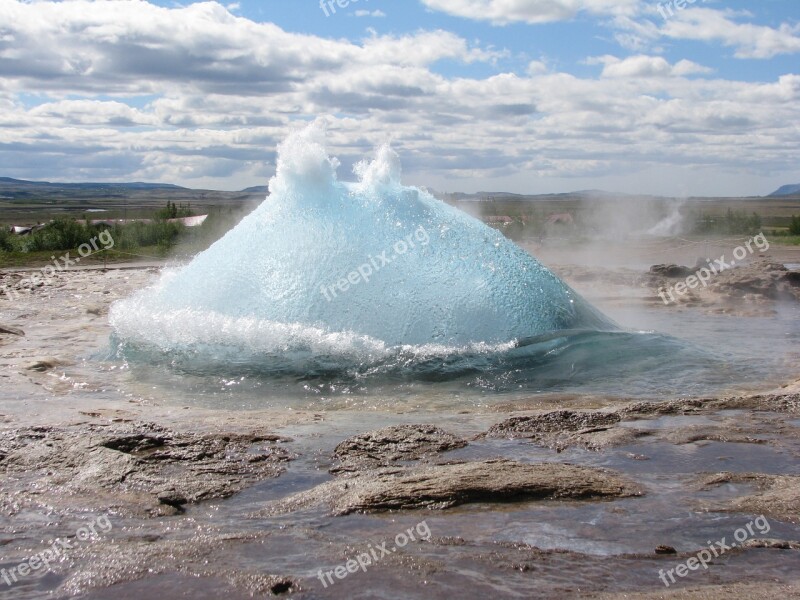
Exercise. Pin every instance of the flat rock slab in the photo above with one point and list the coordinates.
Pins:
(553, 422)
(391, 444)
(562, 429)
(751, 591)
(8, 330)
(120, 559)
(750, 289)
(778, 496)
(444, 486)
(140, 469)
(780, 403)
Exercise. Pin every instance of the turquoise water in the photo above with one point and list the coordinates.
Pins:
(355, 270)
(377, 290)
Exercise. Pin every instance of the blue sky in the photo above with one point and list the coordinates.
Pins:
(566, 43)
(529, 96)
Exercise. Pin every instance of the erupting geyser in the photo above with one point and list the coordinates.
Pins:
(324, 267)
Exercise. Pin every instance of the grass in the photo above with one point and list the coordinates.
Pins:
(785, 240)
(38, 259)
(132, 242)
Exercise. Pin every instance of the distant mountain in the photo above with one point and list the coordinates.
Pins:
(137, 185)
(256, 189)
(786, 190)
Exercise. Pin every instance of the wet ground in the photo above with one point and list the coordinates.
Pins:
(594, 495)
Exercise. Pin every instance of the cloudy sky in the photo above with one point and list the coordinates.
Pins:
(528, 96)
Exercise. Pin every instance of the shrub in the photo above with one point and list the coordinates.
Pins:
(794, 226)
(174, 211)
(157, 233)
(61, 234)
(6, 240)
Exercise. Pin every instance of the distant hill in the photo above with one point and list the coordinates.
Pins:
(498, 195)
(786, 190)
(589, 195)
(6, 182)
(257, 189)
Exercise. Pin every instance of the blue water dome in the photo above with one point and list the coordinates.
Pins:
(330, 267)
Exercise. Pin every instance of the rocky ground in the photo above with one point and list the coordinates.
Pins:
(521, 500)
(131, 469)
(755, 289)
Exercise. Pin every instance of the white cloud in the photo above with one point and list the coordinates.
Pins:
(421, 49)
(91, 112)
(130, 91)
(750, 40)
(133, 47)
(639, 25)
(647, 66)
(537, 67)
(502, 12)
(370, 13)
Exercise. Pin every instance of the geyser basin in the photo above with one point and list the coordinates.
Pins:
(373, 287)
(330, 268)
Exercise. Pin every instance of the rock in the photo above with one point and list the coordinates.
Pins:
(771, 544)
(8, 330)
(666, 408)
(565, 428)
(772, 266)
(714, 591)
(398, 443)
(444, 486)
(634, 456)
(137, 469)
(780, 403)
(672, 271)
(172, 497)
(747, 288)
(43, 365)
(778, 496)
(111, 562)
(701, 433)
(110, 414)
(792, 278)
(552, 422)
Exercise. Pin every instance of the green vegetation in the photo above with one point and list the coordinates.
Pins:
(65, 234)
(61, 234)
(156, 238)
(6, 240)
(137, 235)
(174, 211)
(786, 231)
(731, 223)
(783, 238)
